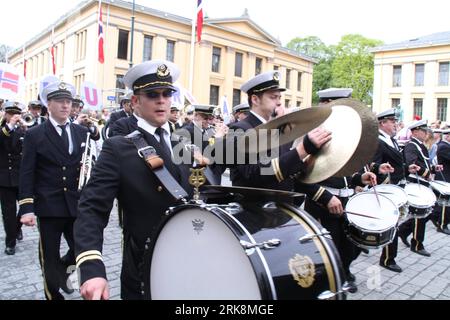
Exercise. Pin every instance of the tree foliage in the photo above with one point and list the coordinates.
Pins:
(4, 49)
(346, 65)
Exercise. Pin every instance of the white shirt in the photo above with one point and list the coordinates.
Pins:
(59, 130)
(259, 117)
(386, 138)
(143, 124)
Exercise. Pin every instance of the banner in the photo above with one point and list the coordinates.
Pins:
(91, 96)
(12, 83)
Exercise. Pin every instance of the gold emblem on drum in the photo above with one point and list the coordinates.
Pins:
(303, 270)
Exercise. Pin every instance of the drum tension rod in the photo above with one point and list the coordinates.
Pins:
(310, 236)
(266, 245)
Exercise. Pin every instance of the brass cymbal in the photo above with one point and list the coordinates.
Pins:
(292, 125)
(264, 194)
(354, 142)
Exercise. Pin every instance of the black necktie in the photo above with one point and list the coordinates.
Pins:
(160, 132)
(65, 137)
(394, 142)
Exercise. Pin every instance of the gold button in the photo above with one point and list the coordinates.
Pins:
(64, 178)
(64, 168)
(9, 154)
(160, 189)
(65, 189)
(10, 168)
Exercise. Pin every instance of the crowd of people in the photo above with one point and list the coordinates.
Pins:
(40, 161)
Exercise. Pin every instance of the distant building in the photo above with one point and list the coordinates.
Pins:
(232, 50)
(415, 75)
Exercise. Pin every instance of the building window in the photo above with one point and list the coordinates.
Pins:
(275, 68)
(287, 103)
(299, 104)
(395, 103)
(443, 73)
(258, 66)
(122, 50)
(299, 81)
(215, 66)
(119, 85)
(419, 78)
(236, 97)
(148, 47)
(214, 95)
(238, 64)
(397, 76)
(81, 45)
(170, 51)
(442, 109)
(288, 78)
(78, 80)
(418, 108)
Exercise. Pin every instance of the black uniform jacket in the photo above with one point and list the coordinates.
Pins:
(417, 153)
(443, 155)
(49, 174)
(10, 155)
(385, 153)
(120, 173)
(116, 116)
(123, 126)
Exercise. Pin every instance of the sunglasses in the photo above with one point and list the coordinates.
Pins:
(156, 95)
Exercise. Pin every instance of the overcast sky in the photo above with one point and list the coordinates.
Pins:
(387, 20)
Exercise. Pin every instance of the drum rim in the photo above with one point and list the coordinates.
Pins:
(396, 187)
(434, 183)
(430, 192)
(380, 195)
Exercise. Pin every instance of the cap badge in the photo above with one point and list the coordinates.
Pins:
(62, 86)
(276, 76)
(163, 71)
(16, 104)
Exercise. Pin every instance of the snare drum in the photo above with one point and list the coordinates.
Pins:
(442, 191)
(241, 251)
(421, 200)
(398, 196)
(371, 233)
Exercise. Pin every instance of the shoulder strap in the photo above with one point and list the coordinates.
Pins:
(156, 164)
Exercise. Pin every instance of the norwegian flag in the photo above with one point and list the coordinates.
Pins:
(9, 81)
(101, 52)
(52, 51)
(199, 20)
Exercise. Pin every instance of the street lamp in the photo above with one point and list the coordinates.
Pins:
(132, 34)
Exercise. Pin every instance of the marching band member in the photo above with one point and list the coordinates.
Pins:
(440, 217)
(415, 152)
(174, 117)
(35, 108)
(389, 152)
(11, 136)
(121, 173)
(48, 184)
(240, 112)
(83, 119)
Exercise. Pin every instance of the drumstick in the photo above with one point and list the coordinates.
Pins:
(374, 189)
(361, 215)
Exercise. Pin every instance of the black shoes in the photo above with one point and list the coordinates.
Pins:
(350, 277)
(10, 251)
(350, 286)
(422, 252)
(443, 230)
(404, 240)
(19, 235)
(366, 251)
(435, 223)
(393, 267)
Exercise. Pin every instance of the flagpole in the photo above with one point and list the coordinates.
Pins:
(132, 34)
(191, 63)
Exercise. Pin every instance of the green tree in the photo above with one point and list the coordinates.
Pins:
(353, 66)
(314, 47)
(4, 49)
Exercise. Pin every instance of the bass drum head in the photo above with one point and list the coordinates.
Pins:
(195, 249)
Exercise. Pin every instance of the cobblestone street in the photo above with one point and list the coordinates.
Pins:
(422, 277)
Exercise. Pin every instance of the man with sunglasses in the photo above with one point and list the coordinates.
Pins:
(122, 172)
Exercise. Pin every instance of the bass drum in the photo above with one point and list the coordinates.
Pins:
(242, 251)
